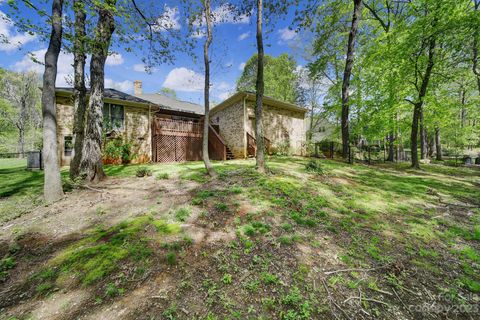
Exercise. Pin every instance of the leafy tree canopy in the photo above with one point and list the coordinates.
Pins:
(281, 77)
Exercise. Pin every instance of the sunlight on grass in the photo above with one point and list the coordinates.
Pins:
(100, 254)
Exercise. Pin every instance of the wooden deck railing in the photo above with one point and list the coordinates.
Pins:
(252, 145)
(165, 125)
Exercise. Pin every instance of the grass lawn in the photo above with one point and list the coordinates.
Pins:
(308, 240)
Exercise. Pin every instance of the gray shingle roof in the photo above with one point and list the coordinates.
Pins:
(111, 94)
(172, 104)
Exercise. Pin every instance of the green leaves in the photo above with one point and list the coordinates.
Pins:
(280, 75)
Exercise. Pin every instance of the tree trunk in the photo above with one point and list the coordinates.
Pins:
(463, 111)
(310, 132)
(52, 188)
(431, 145)
(418, 106)
(423, 137)
(79, 90)
(414, 135)
(438, 145)
(476, 64)
(21, 141)
(206, 122)
(260, 156)
(391, 147)
(91, 164)
(357, 10)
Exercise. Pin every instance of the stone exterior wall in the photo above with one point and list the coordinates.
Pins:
(64, 128)
(231, 123)
(136, 130)
(284, 128)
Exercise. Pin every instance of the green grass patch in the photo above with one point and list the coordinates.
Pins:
(101, 253)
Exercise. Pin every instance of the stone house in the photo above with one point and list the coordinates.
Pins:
(284, 125)
(162, 129)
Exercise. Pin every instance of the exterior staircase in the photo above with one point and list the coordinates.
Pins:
(230, 155)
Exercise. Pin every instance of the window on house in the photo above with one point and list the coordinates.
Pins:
(113, 116)
(67, 145)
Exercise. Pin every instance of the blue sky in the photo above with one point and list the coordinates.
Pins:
(233, 44)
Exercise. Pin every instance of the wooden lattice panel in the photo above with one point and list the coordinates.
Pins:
(177, 140)
(170, 148)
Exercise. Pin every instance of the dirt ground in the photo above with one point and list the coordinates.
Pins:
(227, 270)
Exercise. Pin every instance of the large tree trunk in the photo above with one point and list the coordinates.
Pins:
(79, 90)
(417, 111)
(206, 122)
(52, 187)
(260, 156)
(357, 10)
(438, 144)
(91, 164)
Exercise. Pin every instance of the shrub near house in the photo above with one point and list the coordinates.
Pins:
(117, 151)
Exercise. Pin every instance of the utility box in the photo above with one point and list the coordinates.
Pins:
(34, 160)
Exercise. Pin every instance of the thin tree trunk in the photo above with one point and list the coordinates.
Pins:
(21, 141)
(463, 111)
(391, 147)
(52, 187)
(476, 64)
(357, 10)
(79, 90)
(206, 122)
(310, 132)
(438, 144)
(414, 135)
(260, 156)
(419, 104)
(431, 145)
(423, 138)
(91, 164)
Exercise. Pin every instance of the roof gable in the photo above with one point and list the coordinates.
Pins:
(109, 93)
(250, 96)
(172, 104)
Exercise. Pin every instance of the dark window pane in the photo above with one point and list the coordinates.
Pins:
(68, 145)
(117, 116)
(106, 117)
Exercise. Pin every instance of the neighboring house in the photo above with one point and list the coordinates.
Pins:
(284, 125)
(162, 129)
(322, 129)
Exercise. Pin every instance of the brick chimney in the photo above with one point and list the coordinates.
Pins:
(137, 87)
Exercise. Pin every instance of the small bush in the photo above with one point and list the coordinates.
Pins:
(44, 288)
(162, 176)
(227, 278)
(314, 166)
(182, 214)
(112, 290)
(5, 265)
(171, 258)
(143, 172)
(269, 278)
(117, 151)
(222, 207)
